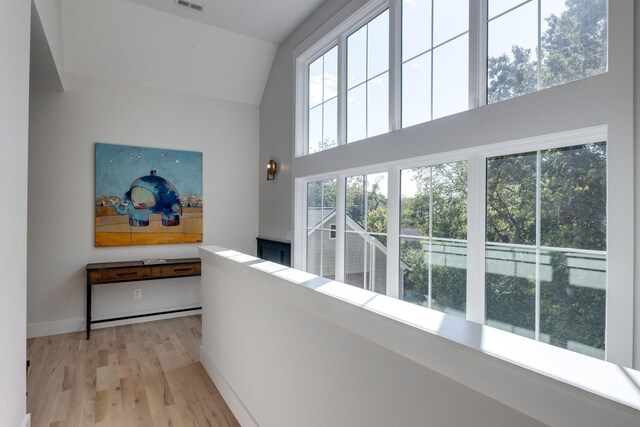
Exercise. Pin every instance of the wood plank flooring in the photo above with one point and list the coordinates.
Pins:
(146, 374)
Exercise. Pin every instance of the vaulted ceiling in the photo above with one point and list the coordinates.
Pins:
(224, 51)
(268, 20)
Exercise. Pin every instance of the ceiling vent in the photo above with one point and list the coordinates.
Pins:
(190, 5)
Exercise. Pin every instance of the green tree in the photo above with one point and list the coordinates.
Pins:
(573, 46)
(509, 77)
(441, 190)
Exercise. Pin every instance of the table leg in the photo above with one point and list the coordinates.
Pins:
(88, 307)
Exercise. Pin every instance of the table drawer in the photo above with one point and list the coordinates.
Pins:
(181, 270)
(123, 274)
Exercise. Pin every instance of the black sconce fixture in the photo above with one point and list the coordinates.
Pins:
(271, 170)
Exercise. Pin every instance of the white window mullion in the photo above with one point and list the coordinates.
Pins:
(430, 246)
(431, 71)
(365, 212)
(477, 53)
(342, 90)
(299, 243)
(538, 240)
(393, 233)
(395, 66)
(476, 200)
(302, 108)
(340, 227)
(539, 53)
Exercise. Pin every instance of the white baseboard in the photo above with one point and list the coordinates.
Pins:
(57, 327)
(26, 422)
(44, 329)
(229, 395)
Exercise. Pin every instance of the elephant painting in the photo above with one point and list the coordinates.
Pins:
(151, 194)
(147, 196)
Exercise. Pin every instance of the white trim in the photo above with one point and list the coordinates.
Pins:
(555, 140)
(478, 52)
(395, 65)
(299, 253)
(340, 227)
(26, 422)
(393, 223)
(538, 241)
(231, 398)
(475, 239)
(342, 90)
(57, 327)
(35, 330)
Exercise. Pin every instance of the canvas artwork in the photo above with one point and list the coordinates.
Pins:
(147, 196)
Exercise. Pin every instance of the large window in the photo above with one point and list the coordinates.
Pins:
(522, 248)
(398, 63)
(546, 228)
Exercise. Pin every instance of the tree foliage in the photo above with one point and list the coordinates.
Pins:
(573, 46)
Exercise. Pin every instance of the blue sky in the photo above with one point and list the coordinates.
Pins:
(117, 166)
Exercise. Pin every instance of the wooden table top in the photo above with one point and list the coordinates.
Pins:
(125, 264)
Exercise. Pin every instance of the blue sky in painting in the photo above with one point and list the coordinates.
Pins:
(117, 166)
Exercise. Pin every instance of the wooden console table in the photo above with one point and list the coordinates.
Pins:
(133, 271)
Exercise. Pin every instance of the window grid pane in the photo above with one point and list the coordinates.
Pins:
(321, 213)
(435, 69)
(323, 103)
(365, 261)
(546, 253)
(543, 43)
(433, 237)
(368, 79)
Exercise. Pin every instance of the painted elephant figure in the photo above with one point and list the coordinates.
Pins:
(148, 195)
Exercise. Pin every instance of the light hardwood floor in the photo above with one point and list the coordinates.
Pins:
(147, 374)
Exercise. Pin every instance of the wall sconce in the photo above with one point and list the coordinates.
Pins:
(271, 170)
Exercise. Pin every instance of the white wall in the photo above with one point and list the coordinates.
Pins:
(276, 128)
(287, 348)
(604, 99)
(64, 129)
(50, 13)
(124, 41)
(14, 126)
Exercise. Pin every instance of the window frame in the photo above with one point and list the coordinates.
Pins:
(618, 329)
(478, 48)
(305, 54)
(337, 37)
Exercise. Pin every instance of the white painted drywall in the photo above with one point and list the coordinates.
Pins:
(288, 348)
(50, 13)
(64, 129)
(276, 126)
(43, 71)
(15, 21)
(265, 20)
(131, 43)
(604, 99)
